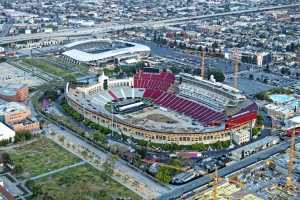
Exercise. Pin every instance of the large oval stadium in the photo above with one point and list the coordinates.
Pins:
(160, 107)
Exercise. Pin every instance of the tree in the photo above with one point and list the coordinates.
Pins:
(35, 189)
(164, 175)
(70, 78)
(109, 164)
(99, 137)
(218, 75)
(137, 160)
(174, 70)
(2, 59)
(84, 153)
(6, 157)
(50, 94)
(23, 136)
(62, 139)
(18, 169)
(259, 120)
(255, 131)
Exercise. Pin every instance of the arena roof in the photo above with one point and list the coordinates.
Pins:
(74, 44)
(82, 56)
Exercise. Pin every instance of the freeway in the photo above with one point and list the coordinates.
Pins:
(104, 28)
(202, 181)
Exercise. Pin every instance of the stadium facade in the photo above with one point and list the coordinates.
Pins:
(163, 108)
(97, 51)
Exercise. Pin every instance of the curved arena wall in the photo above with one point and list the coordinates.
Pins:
(140, 133)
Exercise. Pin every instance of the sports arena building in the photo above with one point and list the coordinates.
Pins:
(163, 108)
(97, 51)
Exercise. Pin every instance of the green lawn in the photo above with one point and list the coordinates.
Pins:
(82, 183)
(81, 67)
(39, 157)
(46, 66)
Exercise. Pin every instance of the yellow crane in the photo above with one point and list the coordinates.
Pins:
(216, 182)
(235, 59)
(289, 185)
(202, 64)
(235, 73)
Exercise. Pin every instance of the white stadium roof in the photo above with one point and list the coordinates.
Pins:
(82, 56)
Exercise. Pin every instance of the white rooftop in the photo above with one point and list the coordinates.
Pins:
(6, 132)
(12, 107)
(295, 120)
(82, 56)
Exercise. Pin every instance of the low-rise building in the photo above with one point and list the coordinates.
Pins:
(26, 125)
(254, 147)
(17, 116)
(14, 92)
(279, 112)
(241, 137)
(13, 112)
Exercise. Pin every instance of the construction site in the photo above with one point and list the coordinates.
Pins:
(275, 178)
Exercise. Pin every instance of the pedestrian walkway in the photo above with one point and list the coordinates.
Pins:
(56, 171)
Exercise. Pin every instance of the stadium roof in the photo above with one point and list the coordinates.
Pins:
(74, 44)
(82, 56)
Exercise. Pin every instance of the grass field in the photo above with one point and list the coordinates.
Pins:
(82, 183)
(81, 67)
(40, 157)
(46, 66)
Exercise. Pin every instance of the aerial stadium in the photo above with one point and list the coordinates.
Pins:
(160, 107)
(99, 51)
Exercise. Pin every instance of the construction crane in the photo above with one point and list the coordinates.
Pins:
(217, 180)
(235, 58)
(235, 73)
(202, 64)
(215, 186)
(289, 185)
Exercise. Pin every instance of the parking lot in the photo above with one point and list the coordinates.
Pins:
(11, 74)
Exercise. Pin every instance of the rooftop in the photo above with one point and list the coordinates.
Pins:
(11, 107)
(6, 130)
(82, 56)
(10, 89)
